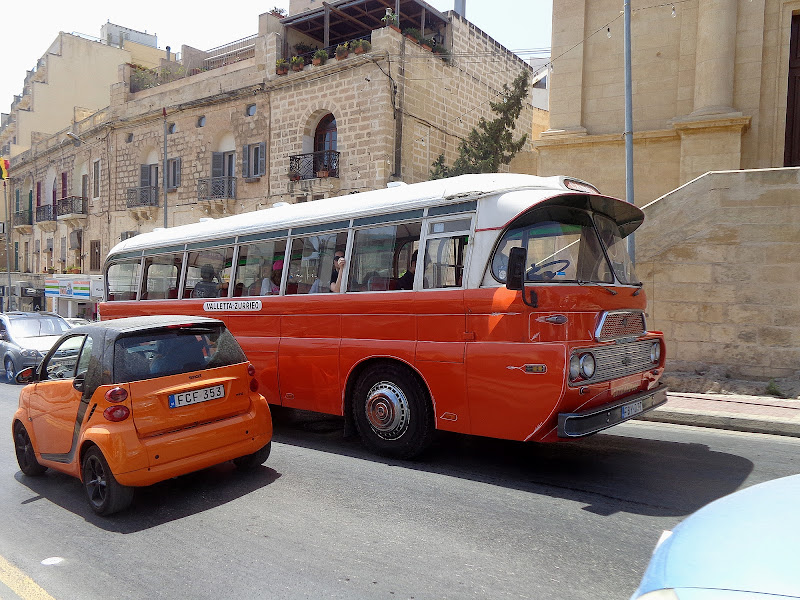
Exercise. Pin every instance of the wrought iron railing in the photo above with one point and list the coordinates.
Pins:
(209, 188)
(314, 165)
(45, 213)
(142, 196)
(23, 217)
(72, 205)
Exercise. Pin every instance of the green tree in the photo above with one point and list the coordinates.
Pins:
(491, 143)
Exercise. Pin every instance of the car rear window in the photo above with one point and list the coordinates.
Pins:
(161, 352)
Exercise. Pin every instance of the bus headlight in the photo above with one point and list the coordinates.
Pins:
(587, 365)
(574, 367)
(655, 352)
(581, 366)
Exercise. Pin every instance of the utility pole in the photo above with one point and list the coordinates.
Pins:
(164, 178)
(629, 122)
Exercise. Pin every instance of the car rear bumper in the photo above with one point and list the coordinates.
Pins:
(596, 419)
(189, 450)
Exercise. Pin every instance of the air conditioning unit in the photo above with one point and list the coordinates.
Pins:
(126, 235)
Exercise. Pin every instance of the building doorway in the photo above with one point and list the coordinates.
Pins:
(791, 156)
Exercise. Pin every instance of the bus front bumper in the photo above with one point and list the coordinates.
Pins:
(596, 419)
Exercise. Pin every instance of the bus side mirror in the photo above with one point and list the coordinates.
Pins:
(515, 272)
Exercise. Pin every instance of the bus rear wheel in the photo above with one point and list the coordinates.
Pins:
(392, 412)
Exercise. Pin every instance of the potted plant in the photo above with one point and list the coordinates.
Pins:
(361, 46)
(319, 58)
(442, 53)
(392, 20)
(278, 13)
(342, 50)
(427, 43)
(294, 175)
(412, 33)
(281, 66)
(297, 62)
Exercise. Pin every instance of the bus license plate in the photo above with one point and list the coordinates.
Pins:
(196, 396)
(634, 408)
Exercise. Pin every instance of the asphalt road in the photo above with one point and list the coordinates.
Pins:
(325, 519)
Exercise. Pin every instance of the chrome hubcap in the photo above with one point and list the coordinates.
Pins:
(387, 410)
(95, 481)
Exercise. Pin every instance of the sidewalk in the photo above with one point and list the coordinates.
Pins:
(757, 414)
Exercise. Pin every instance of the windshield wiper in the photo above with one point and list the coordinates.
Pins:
(608, 289)
(638, 288)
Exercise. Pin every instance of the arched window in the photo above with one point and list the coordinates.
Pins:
(326, 159)
(325, 135)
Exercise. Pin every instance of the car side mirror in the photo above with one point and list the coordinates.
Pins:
(515, 271)
(25, 375)
(79, 383)
(3, 335)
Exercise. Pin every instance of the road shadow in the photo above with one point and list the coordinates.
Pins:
(607, 472)
(157, 504)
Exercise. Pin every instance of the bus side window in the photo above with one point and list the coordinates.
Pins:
(255, 266)
(122, 278)
(445, 251)
(381, 256)
(161, 276)
(205, 270)
(311, 269)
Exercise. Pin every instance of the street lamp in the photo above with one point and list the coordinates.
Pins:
(76, 139)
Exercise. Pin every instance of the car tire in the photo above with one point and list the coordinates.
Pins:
(106, 496)
(26, 456)
(11, 370)
(251, 461)
(392, 411)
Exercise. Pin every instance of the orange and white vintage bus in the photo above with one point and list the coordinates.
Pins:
(498, 305)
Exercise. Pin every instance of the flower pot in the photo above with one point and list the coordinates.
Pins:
(297, 67)
(426, 47)
(316, 61)
(358, 50)
(322, 174)
(282, 70)
(342, 56)
(395, 27)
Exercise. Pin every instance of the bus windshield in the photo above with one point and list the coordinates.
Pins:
(562, 245)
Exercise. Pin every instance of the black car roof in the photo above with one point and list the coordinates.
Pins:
(134, 324)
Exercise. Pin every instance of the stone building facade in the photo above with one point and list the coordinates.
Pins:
(240, 137)
(710, 91)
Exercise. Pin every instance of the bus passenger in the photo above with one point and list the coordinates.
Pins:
(406, 281)
(206, 287)
(339, 264)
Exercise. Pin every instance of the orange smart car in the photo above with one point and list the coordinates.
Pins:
(130, 402)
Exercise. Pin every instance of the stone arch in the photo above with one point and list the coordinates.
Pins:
(224, 141)
(314, 114)
(50, 185)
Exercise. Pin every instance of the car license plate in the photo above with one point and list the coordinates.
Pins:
(196, 396)
(634, 408)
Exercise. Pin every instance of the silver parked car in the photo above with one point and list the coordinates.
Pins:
(25, 337)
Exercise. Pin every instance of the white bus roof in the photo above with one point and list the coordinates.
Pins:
(396, 198)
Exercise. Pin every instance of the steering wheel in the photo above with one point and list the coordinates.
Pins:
(536, 269)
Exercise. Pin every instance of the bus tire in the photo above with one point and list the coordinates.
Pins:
(392, 411)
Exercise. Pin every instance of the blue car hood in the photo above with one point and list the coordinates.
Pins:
(747, 541)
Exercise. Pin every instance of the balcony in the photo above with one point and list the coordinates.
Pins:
(74, 210)
(46, 217)
(314, 165)
(142, 202)
(22, 221)
(216, 194)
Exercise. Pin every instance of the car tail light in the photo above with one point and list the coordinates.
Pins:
(117, 394)
(253, 385)
(117, 413)
(251, 370)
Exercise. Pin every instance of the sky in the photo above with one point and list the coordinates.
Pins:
(30, 26)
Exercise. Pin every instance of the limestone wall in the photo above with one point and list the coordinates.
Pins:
(720, 259)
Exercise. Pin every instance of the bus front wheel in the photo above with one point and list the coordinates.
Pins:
(392, 411)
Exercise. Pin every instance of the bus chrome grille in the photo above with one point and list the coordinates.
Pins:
(615, 324)
(618, 360)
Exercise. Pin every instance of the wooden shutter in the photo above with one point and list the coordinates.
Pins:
(262, 158)
(177, 172)
(144, 176)
(217, 164)
(246, 162)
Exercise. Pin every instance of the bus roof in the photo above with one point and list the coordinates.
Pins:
(396, 198)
